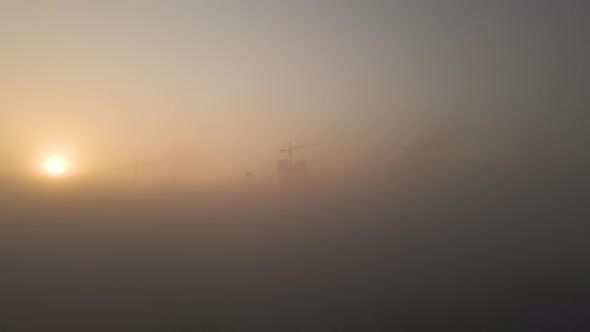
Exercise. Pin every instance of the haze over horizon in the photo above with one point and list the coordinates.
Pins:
(224, 85)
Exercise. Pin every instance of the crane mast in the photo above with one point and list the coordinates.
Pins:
(290, 171)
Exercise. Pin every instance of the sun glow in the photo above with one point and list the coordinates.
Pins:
(55, 165)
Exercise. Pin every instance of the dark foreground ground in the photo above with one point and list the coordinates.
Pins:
(427, 249)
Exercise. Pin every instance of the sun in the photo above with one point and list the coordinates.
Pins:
(56, 165)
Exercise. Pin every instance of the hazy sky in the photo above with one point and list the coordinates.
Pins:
(218, 87)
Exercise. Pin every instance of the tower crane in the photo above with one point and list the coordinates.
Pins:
(289, 151)
(290, 171)
(136, 166)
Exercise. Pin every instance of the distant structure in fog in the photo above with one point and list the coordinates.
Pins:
(290, 170)
(401, 154)
(136, 166)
